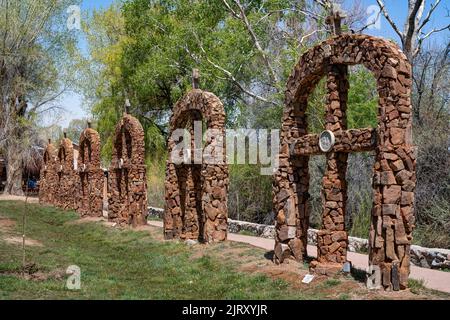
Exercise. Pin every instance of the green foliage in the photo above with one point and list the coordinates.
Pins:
(362, 99)
(75, 128)
(435, 232)
(243, 202)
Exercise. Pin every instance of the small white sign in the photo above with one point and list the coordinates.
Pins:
(308, 278)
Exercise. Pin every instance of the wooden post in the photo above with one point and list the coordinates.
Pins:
(195, 78)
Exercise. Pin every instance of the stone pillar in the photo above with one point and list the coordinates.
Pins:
(394, 178)
(196, 194)
(127, 183)
(66, 191)
(291, 185)
(332, 238)
(48, 177)
(90, 175)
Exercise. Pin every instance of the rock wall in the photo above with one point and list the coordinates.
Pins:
(90, 175)
(196, 194)
(48, 183)
(127, 181)
(67, 180)
(394, 169)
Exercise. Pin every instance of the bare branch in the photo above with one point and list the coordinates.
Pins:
(428, 16)
(48, 100)
(230, 77)
(427, 35)
(388, 18)
(231, 9)
(243, 17)
(369, 24)
(303, 38)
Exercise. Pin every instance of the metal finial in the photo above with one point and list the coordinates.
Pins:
(195, 78)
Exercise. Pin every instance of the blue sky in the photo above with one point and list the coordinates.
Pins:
(73, 103)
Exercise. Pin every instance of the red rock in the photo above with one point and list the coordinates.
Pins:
(391, 194)
(397, 136)
(387, 178)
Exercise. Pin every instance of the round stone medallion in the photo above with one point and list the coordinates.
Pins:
(326, 140)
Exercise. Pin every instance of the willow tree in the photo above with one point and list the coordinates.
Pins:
(35, 48)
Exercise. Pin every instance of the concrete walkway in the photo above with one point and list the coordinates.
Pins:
(433, 279)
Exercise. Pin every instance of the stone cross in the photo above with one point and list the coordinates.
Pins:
(335, 142)
(127, 106)
(89, 124)
(195, 78)
(335, 18)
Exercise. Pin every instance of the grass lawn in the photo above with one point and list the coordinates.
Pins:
(120, 263)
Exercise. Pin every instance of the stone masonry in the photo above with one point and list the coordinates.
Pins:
(90, 175)
(127, 182)
(48, 177)
(196, 194)
(66, 190)
(394, 170)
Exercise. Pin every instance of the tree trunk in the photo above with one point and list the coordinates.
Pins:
(14, 171)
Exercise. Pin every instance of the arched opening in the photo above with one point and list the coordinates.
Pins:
(127, 181)
(196, 186)
(393, 183)
(91, 177)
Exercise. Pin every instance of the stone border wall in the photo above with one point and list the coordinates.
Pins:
(431, 258)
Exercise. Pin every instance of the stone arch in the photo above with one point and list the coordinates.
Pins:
(91, 176)
(66, 192)
(48, 176)
(127, 181)
(394, 168)
(196, 192)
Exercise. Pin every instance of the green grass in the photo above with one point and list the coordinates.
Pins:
(415, 285)
(332, 283)
(128, 264)
(120, 264)
(154, 218)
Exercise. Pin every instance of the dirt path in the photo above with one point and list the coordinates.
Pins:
(5, 197)
(433, 279)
